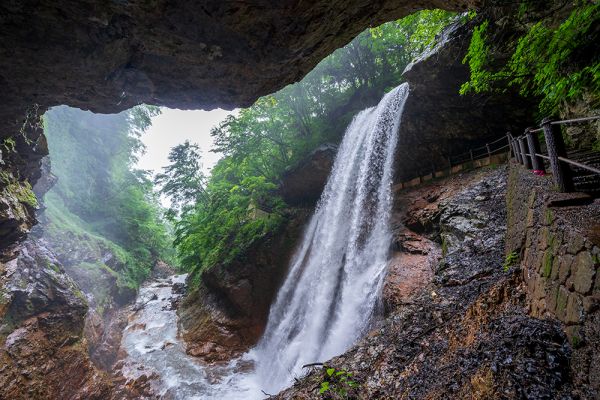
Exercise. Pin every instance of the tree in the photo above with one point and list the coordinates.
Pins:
(261, 142)
(94, 157)
(182, 180)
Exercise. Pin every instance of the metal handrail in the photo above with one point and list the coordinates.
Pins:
(575, 120)
(580, 165)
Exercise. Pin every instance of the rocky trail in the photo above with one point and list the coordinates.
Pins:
(456, 322)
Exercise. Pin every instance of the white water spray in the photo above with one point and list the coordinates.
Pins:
(329, 296)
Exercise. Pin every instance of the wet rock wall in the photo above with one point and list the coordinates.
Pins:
(559, 252)
(464, 331)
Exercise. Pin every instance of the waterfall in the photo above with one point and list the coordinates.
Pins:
(331, 292)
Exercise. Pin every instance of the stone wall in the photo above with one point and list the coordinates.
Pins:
(559, 252)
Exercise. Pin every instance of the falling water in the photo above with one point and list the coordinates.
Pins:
(335, 279)
(325, 303)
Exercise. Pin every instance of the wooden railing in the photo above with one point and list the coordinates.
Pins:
(527, 151)
(490, 153)
(519, 147)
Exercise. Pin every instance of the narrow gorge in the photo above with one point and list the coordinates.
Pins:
(402, 202)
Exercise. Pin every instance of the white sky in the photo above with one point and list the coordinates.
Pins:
(173, 127)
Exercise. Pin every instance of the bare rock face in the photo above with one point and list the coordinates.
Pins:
(42, 351)
(109, 56)
(20, 167)
(438, 122)
(228, 310)
(464, 332)
(303, 184)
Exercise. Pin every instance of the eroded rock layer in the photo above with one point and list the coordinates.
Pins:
(466, 330)
(109, 56)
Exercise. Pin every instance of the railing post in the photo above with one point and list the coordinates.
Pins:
(556, 148)
(487, 147)
(471, 154)
(534, 147)
(525, 158)
(516, 150)
(510, 146)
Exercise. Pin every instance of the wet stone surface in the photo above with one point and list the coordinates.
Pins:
(467, 334)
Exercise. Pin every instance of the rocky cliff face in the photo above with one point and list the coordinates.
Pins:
(437, 121)
(227, 312)
(20, 168)
(110, 56)
(42, 350)
(303, 184)
(464, 331)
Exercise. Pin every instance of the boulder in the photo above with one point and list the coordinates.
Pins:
(43, 353)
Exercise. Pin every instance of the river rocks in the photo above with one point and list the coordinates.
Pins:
(303, 184)
(42, 350)
(227, 312)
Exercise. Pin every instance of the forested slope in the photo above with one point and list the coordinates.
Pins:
(102, 213)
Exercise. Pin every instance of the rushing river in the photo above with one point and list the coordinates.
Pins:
(154, 350)
(328, 298)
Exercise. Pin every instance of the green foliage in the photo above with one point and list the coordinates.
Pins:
(576, 342)
(66, 231)
(238, 205)
(99, 195)
(554, 63)
(8, 145)
(444, 245)
(20, 191)
(511, 259)
(183, 180)
(23, 193)
(478, 58)
(411, 35)
(337, 383)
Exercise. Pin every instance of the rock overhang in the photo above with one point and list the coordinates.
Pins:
(110, 56)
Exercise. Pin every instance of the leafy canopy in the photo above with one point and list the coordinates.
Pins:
(238, 204)
(558, 63)
(182, 180)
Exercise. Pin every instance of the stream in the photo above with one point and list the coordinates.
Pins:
(154, 349)
(325, 304)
